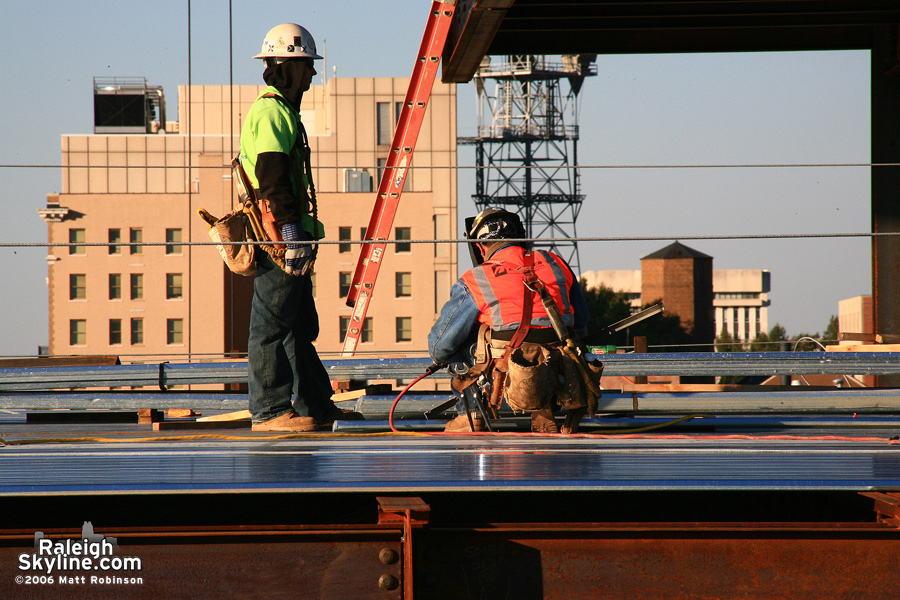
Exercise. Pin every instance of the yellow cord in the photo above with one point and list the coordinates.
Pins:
(293, 436)
(183, 438)
(653, 427)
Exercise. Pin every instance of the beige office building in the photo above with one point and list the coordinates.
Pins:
(170, 299)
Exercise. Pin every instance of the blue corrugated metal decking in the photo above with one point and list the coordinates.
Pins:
(798, 440)
(455, 463)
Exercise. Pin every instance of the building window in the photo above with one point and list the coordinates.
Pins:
(77, 236)
(404, 329)
(403, 233)
(362, 236)
(343, 325)
(357, 180)
(344, 233)
(403, 285)
(115, 236)
(77, 286)
(174, 331)
(115, 286)
(173, 286)
(384, 122)
(137, 331)
(136, 236)
(344, 280)
(115, 332)
(173, 235)
(77, 332)
(137, 286)
(382, 163)
(365, 335)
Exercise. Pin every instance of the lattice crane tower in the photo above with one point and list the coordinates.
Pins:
(526, 150)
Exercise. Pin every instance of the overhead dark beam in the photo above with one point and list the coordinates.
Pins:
(474, 25)
(637, 41)
(503, 27)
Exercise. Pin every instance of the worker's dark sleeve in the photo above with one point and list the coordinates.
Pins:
(273, 171)
(579, 305)
(449, 334)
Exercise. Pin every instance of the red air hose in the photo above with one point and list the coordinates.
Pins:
(429, 371)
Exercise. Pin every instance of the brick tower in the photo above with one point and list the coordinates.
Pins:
(683, 279)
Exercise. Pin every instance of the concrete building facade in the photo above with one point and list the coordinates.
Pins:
(169, 298)
(740, 297)
(855, 315)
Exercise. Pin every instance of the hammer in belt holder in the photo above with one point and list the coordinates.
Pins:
(250, 207)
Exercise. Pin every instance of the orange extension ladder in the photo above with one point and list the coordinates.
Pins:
(394, 176)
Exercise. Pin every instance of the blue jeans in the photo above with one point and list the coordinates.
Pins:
(283, 362)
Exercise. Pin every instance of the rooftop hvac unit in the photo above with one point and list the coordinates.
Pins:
(128, 105)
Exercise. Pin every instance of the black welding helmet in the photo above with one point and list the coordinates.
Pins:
(490, 225)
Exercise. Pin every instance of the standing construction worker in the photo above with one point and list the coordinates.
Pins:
(494, 308)
(288, 385)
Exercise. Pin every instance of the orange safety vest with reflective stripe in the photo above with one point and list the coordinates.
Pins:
(497, 286)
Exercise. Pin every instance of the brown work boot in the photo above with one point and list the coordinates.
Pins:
(338, 415)
(461, 424)
(287, 422)
(542, 421)
(573, 418)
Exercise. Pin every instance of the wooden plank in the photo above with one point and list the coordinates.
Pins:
(181, 425)
(232, 416)
(344, 396)
(863, 348)
(81, 416)
(150, 415)
(650, 388)
(869, 337)
(181, 413)
(58, 361)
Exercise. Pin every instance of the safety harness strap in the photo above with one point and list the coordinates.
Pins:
(501, 366)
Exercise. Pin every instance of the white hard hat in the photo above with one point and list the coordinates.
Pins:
(495, 223)
(288, 40)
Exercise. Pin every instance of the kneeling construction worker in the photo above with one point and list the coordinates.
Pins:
(496, 321)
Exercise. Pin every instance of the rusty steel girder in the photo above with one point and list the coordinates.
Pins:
(406, 555)
(652, 561)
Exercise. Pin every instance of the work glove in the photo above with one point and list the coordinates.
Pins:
(298, 257)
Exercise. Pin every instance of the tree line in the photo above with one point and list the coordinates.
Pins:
(606, 306)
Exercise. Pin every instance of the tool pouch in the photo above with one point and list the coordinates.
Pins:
(235, 227)
(596, 370)
(570, 388)
(529, 380)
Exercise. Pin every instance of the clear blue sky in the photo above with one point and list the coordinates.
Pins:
(640, 110)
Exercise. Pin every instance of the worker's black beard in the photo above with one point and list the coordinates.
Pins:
(287, 78)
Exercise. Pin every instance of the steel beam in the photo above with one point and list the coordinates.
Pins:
(652, 561)
(163, 375)
(559, 561)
